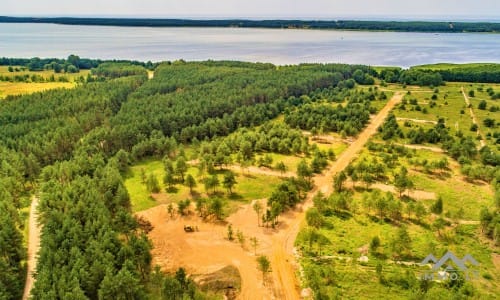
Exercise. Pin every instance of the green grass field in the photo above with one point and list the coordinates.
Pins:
(8, 88)
(351, 231)
(20, 88)
(356, 232)
(447, 66)
(249, 187)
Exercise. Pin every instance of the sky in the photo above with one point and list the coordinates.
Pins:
(396, 9)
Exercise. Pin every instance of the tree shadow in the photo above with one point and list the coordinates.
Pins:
(172, 190)
(235, 196)
(344, 215)
(420, 223)
(248, 175)
(195, 194)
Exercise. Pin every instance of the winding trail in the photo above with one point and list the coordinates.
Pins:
(474, 120)
(283, 261)
(33, 247)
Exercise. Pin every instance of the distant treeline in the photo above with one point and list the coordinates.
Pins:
(420, 26)
(469, 73)
(427, 75)
(70, 65)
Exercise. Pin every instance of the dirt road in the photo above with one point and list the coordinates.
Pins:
(283, 261)
(33, 247)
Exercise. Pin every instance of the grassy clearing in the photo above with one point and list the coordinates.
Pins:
(481, 95)
(349, 234)
(248, 187)
(8, 88)
(457, 194)
(290, 161)
(20, 88)
(338, 147)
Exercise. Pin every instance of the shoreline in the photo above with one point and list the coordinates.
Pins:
(335, 25)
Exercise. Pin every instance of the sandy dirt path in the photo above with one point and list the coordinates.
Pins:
(33, 247)
(283, 260)
(421, 147)
(474, 120)
(417, 120)
(260, 170)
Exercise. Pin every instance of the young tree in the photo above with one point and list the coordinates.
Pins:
(169, 180)
(217, 208)
(254, 242)
(152, 184)
(314, 218)
(437, 207)
(321, 241)
(420, 211)
(401, 181)
(281, 167)
(264, 265)
(410, 208)
(482, 105)
(182, 206)
(304, 171)
(170, 210)
(143, 175)
(229, 182)
(375, 243)
(241, 238)
(181, 168)
(168, 166)
(401, 242)
(190, 182)
(276, 209)
(338, 181)
(381, 205)
(230, 232)
(439, 224)
(211, 183)
(257, 207)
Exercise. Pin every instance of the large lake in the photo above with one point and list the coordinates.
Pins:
(278, 46)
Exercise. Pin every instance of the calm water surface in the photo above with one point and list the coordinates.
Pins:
(279, 46)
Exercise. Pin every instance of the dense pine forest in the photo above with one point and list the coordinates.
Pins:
(70, 147)
(73, 149)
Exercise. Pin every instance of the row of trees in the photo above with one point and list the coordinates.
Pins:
(12, 252)
(411, 76)
(72, 64)
(35, 78)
